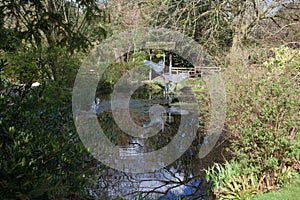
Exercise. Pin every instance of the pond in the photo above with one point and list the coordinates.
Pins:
(184, 178)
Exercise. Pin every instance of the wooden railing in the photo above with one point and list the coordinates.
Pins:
(195, 71)
(178, 70)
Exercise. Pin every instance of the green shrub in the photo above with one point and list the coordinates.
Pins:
(232, 180)
(27, 64)
(229, 181)
(284, 57)
(116, 70)
(263, 119)
(41, 154)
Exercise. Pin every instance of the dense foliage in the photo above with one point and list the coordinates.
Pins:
(263, 126)
(256, 43)
(41, 154)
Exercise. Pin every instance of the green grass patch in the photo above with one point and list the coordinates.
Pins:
(288, 192)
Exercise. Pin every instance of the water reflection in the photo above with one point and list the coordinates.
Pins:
(182, 179)
(95, 106)
(168, 183)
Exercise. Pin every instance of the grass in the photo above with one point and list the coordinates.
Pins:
(289, 192)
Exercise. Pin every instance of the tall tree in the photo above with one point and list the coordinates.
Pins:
(282, 29)
(49, 31)
(215, 23)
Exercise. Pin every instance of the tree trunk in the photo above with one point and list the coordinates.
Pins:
(237, 51)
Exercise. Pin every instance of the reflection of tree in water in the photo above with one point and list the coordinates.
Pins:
(139, 113)
(183, 178)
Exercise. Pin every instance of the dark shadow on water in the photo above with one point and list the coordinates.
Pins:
(183, 179)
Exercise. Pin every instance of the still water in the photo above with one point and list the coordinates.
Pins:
(183, 179)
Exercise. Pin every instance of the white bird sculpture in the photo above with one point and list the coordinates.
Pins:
(175, 78)
(156, 67)
(172, 78)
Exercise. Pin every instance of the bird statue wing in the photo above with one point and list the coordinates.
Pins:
(176, 78)
(183, 76)
(157, 68)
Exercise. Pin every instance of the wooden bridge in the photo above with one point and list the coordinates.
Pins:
(174, 67)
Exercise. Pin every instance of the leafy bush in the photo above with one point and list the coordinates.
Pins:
(218, 174)
(263, 118)
(3, 81)
(229, 182)
(117, 69)
(27, 64)
(284, 57)
(41, 154)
